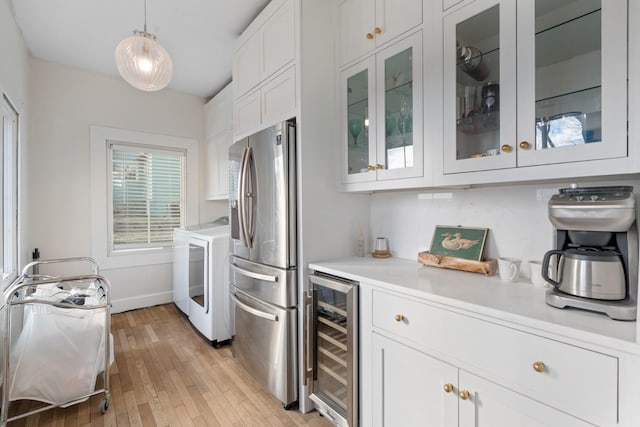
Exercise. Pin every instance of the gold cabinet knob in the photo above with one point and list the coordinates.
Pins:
(539, 367)
(506, 148)
(525, 145)
(379, 166)
(399, 317)
(464, 394)
(369, 36)
(448, 387)
(377, 30)
(371, 168)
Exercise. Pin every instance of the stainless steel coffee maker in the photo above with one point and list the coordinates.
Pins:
(594, 265)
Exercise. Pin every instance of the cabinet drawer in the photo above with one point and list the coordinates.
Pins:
(580, 382)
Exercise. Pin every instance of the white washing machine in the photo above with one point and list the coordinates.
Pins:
(201, 279)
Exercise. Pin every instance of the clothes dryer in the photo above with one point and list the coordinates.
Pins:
(201, 280)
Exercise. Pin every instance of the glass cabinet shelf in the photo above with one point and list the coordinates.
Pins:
(358, 102)
(556, 22)
(404, 89)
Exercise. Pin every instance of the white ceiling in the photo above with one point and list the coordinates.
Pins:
(198, 34)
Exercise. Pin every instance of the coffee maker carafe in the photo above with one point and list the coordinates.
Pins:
(595, 260)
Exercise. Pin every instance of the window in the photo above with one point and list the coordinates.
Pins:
(142, 187)
(147, 196)
(9, 188)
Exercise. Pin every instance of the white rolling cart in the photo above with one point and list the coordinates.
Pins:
(57, 338)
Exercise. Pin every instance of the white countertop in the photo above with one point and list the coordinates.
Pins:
(488, 297)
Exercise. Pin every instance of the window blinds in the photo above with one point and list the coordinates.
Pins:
(147, 188)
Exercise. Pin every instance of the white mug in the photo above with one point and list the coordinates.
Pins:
(535, 267)
(509, 268)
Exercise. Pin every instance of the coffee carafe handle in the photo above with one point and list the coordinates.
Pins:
(545, 266)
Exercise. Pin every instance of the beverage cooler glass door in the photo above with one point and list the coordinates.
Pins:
(332, 348)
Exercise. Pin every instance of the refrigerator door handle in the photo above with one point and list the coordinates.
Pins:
(253, 274)
(251, 196)
(254, 311)
(242, 199)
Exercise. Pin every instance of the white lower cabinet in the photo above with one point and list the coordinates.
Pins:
(439, 367)
(408, 387)
(490, 405)
(414, 389)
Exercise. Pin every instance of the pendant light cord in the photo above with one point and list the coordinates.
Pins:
(145, 16)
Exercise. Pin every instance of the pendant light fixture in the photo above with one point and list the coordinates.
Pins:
(142, 62)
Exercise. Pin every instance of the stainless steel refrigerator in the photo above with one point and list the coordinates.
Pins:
(262, 197)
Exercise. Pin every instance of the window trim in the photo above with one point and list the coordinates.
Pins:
(100, 138)
(14, 172)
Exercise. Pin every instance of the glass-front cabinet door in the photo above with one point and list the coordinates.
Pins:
(399, 83)
(358, 120)
(480, 87)
(572, 84)
(557, 96)
(382, 114)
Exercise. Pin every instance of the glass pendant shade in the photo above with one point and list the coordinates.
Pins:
(143, 63)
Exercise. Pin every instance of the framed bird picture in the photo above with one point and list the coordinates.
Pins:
(459, 242)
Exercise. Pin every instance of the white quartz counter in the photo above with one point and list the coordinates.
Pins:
(488, 298)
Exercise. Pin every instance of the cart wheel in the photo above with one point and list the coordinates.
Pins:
(104, 405)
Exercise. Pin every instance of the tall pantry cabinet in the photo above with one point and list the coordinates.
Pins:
(284, 66)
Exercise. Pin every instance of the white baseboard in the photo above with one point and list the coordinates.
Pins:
(142, 301)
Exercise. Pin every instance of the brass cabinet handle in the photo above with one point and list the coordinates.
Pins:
(369, 36)
(525, 145)
(464, 394)
(377, 30)
(371, 168)
(399, 317)
(539, 367)
(506, 148)
(448, 388)
(379, 166)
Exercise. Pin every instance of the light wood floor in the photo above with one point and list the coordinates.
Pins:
(166, 375)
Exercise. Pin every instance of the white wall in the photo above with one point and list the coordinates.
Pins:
(515, 215)
(64, 102)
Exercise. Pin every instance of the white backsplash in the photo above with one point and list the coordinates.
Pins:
(515, 215)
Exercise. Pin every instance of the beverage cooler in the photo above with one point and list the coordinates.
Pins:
(331, 347)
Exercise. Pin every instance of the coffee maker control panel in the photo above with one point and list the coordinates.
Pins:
(593, 208)
(594, 194)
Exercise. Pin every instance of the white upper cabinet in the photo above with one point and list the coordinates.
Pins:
(264, 50)
(218, 138)
(246, 67)
(568, 102)
(264, 71)
(278, 40)
(364, 25)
